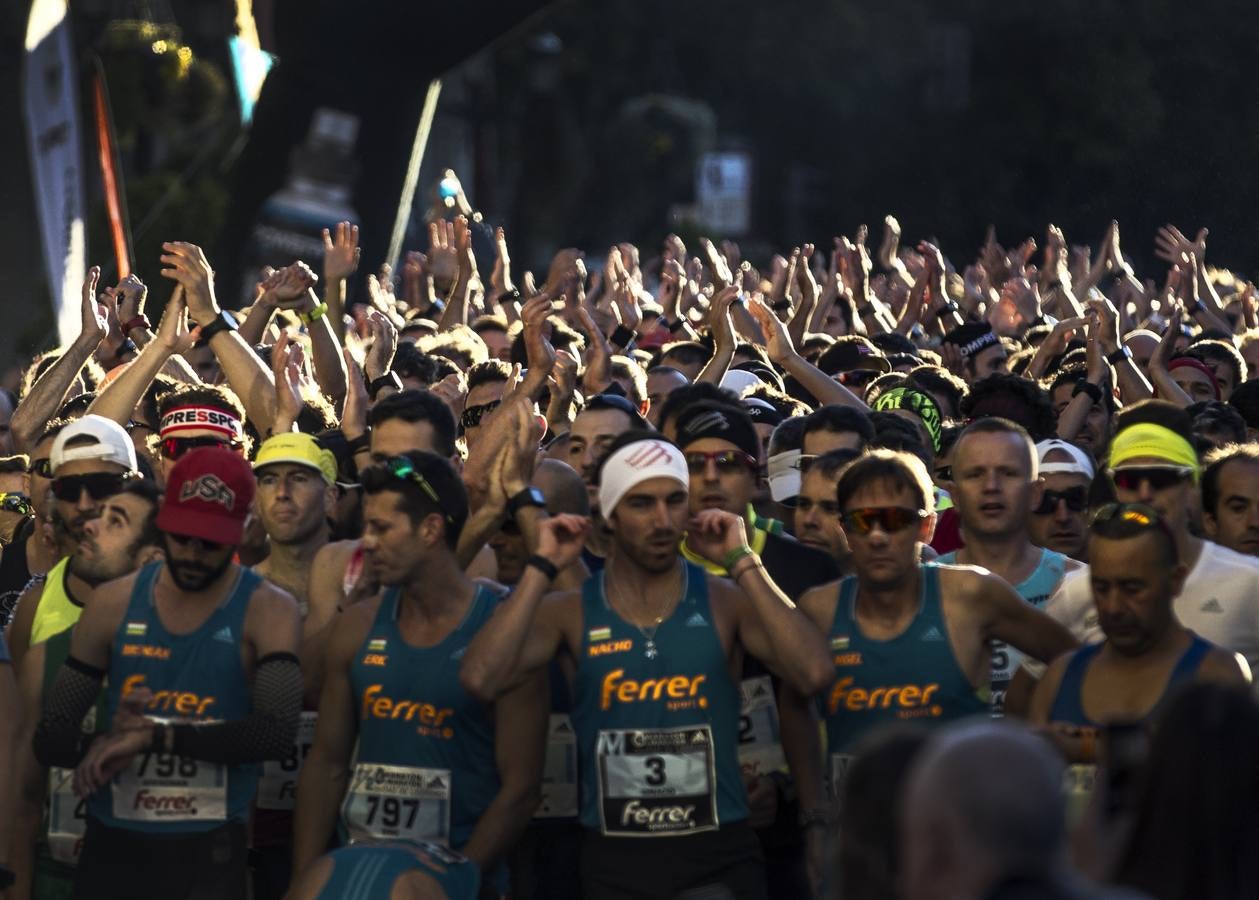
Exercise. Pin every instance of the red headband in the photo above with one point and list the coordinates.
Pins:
(1181, 362)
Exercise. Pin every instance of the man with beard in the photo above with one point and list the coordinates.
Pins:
(433, 763)
(122, 539)
(90, 459)
(657, 644)
(296, 495)
(203, 684)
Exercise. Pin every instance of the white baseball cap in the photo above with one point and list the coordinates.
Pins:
(784, 475)
(1079, 463)
(94, 437)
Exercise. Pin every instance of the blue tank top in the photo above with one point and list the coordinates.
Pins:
(425, 768)
(1036, 589)
(912, 677)
(1068, 705)
(197, 677)
(658, 735)
(368, 871)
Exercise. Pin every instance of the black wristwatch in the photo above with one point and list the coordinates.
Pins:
(389, 379)
(222, 322)
(1119, 356)
(530, 496)
(622, 337)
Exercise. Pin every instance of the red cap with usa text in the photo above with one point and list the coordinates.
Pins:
(209, 492)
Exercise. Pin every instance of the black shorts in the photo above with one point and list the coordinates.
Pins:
(711, 865)
(122, 864)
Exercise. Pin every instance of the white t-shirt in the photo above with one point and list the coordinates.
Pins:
(1220, 603)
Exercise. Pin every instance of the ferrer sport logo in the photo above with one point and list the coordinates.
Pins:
(209, 488)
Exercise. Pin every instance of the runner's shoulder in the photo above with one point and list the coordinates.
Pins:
(332, 558)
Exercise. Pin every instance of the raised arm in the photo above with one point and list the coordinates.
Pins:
(518, 640)
(118, 399)
(340, 261)
(45, 397)
(781, 351)
(770, 626)
(723, 336)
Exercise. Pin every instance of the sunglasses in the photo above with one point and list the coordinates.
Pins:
(727, 461)
(1076, 498)
(1159, 477)
(175, 447)
(401, 467)
(16, 503)
(473, 415)
(40, 467)
(98, 485)
(889, 518)
(1113, 519)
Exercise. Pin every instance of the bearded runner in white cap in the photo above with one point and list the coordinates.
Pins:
(658, 645)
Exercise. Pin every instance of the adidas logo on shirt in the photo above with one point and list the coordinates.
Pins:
(932, 634)
(696, 621)
(1212, 606)
(224, 634)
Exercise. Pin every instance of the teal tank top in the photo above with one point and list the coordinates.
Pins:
(368, 871)
(912, 677)
(657, 726)
(425, 768)
(1036, 589)
(197, 677)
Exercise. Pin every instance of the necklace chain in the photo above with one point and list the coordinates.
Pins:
(647, 631)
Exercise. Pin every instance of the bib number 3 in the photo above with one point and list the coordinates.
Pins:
(656, 782)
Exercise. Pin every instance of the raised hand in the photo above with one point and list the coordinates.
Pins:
(1170, 245)
(340, 252)
(717, 264)
(131, 292)
(539, 353)
(173, 333)
(598, 355)
(453, 390)
(95, 323)
(354, 413)
(1023, 296)
(713, 533)
(890, 244)
(443, 254)
(289, 285)
(777, 339)
(561, 538)
(384, 345)
(186, 264)
(500, 275)
(286, 368)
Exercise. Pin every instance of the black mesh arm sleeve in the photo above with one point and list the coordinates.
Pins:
(266, 733)
(59, 738)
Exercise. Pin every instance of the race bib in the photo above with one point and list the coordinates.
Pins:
(1005, 662)
(760, 740)
(559, 776)
(164, 787)
(391, 802)
(67, 817)
(277, 788)
(656, 782)
(839, 773)
(1078, 783)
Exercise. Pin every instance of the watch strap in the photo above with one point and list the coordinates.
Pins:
(315, 314)
(389, 379)
(1118, 356)
(140, 321)
(543, 565)
(220, 323)
(530, 496)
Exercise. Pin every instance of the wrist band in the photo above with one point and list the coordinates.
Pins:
(782, 306)
(677, 326)
(543, 565)
(140, 321)
(314, 315)
(735, 555)
(1119, 356)
(755, 564)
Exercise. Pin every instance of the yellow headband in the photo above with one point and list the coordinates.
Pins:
(1148, 439)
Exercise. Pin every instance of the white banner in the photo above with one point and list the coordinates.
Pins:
(51, 101)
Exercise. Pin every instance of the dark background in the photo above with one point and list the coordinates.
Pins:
(581, 124)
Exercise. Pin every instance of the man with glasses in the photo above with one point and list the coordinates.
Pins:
(1152, 461)
(90, 460)
(433, 763)
(1135, 575)
(198, 415)
(995, 487)
(203, 685)
(487, 382)
(1060, 521)
(719, 444)
(123, 538)
(909, 642)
